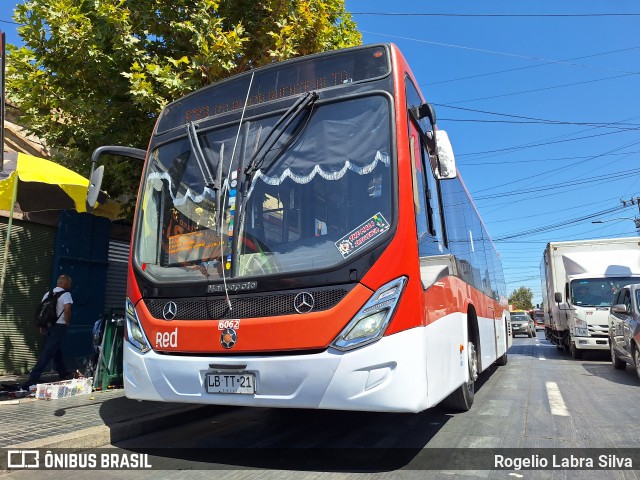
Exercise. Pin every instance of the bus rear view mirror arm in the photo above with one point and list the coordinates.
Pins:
(446, 165)
(95, 182)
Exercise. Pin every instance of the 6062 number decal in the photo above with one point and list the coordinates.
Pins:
(224, 324)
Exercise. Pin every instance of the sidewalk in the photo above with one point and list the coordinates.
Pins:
(85, 421)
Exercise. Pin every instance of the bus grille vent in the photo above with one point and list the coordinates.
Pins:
(244, 306)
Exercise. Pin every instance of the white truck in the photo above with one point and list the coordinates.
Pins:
(579, 279)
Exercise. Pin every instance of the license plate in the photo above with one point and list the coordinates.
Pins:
(244, 383)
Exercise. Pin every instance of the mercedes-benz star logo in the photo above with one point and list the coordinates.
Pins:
(169, 311)
(228, 338)
(304, 302)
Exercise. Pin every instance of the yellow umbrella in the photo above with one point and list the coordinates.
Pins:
(40, 185)
(37, 185)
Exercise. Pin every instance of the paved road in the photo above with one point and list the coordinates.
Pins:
(542, 398)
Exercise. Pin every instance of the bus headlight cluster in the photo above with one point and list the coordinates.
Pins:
(372, 320)
(134, 333)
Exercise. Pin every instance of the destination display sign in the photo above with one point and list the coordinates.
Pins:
(277, 81)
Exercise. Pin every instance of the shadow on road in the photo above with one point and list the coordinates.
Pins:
(301, 440)
(607, 372)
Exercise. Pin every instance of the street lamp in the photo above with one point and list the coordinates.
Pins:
(636, 221)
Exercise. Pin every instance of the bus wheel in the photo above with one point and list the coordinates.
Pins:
(462, 398)
(502, 360)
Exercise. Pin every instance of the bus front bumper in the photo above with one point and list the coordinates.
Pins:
(387, 376)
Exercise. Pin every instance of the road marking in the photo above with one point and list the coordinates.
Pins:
(541, 357)
(555, 400)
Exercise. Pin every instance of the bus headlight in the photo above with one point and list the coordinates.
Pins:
(134, 333)
(372, 320)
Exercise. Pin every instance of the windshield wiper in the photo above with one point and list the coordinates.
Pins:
(208, 177)
(276, 133)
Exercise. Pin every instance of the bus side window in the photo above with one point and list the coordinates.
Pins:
(433, 194)
(419, 200)
(428, 241)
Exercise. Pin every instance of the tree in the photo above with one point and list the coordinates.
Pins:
(95, 73)
(521, 299)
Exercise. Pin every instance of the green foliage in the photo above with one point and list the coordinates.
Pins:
(521, 299)
(98, 72)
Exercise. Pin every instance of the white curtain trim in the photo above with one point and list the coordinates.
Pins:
(300, 179)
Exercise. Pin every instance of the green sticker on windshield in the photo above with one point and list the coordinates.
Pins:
(362, 235)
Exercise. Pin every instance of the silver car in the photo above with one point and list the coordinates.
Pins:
(624, 328)
(522, 324)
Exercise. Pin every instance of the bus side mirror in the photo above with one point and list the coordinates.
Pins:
(446, 159)
(95, 182)
(558, 297)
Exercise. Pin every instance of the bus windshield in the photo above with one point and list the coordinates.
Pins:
(321, 194)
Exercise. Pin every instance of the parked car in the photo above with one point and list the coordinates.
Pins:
(624, 328)
(521, 324)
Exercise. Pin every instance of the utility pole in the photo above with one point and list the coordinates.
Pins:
(633, 201)
(3, 57)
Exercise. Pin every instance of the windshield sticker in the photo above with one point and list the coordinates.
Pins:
(362, 235)
(321, 228)
(232, 216)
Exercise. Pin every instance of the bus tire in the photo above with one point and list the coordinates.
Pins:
(502, 360)
(462, 398)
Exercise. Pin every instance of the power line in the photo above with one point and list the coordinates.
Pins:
(495, 52)
(567, 167)
(537, 160)
(541, 144)
(523, 191)
(495, 15)
(547, 141)
(545, 214)
(469, 77)
(511, 115)
(539, 122)
(556, 226)
(503, 204)
(542, 89)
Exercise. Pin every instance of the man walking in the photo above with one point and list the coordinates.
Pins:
(52, 349)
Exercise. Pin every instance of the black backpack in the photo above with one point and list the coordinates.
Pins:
(46, 315)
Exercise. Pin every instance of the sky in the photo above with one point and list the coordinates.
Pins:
(541, 101)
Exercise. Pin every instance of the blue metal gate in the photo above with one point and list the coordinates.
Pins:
(81, 251)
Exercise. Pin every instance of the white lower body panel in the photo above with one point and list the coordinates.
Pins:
(404, 372)
(388, 376)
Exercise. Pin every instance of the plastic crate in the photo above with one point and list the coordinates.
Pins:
(65, 389)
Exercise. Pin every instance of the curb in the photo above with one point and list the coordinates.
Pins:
(102, 435)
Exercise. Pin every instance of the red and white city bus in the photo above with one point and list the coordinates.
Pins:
(303, 239)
